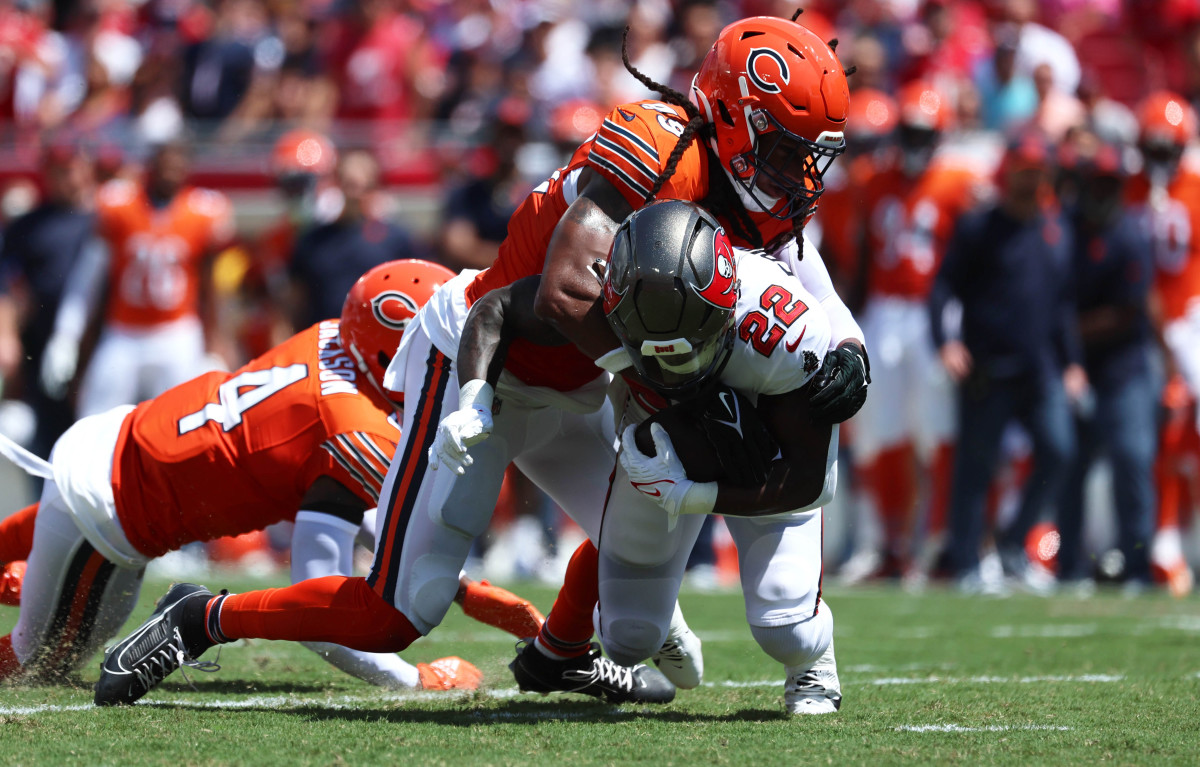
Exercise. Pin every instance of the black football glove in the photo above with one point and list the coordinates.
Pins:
(742, 443)
(840, 389)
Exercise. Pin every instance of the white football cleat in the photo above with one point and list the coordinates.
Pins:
(680, 659)
(814, 690)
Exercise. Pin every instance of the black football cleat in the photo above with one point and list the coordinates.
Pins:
(590, 674)
(136, 664)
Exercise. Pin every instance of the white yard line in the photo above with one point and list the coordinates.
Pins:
(988, 728)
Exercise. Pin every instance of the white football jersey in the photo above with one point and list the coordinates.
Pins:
(782, 333)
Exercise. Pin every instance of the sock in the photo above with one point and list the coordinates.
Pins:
(893, 484)
(336, 609)
(941, 474)
(568, 629)
(9, 665)
(16, 534)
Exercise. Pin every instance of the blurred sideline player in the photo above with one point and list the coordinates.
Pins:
(693, 314)
(150, 267)
(906, 429)
(762, 179)
(304, 431)
(1167, 193)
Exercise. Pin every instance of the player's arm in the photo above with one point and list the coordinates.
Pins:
(568, 295)
(80, 303)
(497, 318)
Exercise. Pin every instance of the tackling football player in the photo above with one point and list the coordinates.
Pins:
(303, 432)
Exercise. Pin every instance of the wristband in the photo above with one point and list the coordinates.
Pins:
(700, 498)
(615, 361)
(476, 393)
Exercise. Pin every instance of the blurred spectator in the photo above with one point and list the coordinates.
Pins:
(1018, 358)
(1113, 272)
(905, 430)
(699, 24)
(1040, 45)
(1006, 97)
(1057, 112)
(1110, 120)
(476, 213)
(218, 70)
(1166, 195)
(149, 270)
(329, 257)
(40, 249)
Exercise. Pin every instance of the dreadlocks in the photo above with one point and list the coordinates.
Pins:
(721, 196)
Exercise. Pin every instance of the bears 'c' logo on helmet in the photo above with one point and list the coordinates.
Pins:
(393, 309)
(761, 73)
(721, 289)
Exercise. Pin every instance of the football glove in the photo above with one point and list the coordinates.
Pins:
(58, 365)
(744, 447)
(467, 426)
(840, 389)
(661, 477)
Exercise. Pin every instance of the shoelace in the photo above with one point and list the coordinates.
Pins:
(166, 659)
(606, 672)
(807, 682)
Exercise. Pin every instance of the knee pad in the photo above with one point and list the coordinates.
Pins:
(630, 639)
(797, 644)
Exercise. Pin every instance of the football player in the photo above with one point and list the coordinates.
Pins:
(691, 312)
(304, 432)
(773, 106)
(150, 266)
(1167, 196)
(909, 208)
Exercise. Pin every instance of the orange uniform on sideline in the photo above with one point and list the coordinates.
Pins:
(157, 253)
(1175, 226)
(227, 453)
(910, 222)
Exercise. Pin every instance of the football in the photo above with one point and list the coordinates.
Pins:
(696, 453)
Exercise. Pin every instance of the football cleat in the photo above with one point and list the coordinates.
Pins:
(136, 664)
(680, 659)
(451, 673)
(814, 690)
(500, 608)
(11, 578)
(590, 674)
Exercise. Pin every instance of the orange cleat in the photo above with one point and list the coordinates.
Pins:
(500, 608)
(451, 673)
(11, 578)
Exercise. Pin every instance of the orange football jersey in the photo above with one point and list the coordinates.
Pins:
(630, 150)
(227, 453)
(909, 223)
(1173, 221)
(156, 253)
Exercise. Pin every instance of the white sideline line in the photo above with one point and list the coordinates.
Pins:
(988, 728)
(504, 693)
(1044, 631)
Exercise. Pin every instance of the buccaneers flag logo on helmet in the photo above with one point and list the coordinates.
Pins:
(720, 290)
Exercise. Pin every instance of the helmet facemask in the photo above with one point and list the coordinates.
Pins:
(680, 368)
(785, 166)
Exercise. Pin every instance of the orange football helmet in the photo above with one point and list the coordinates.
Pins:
(873, 114)
(303, 151)
(379, 307)
(1166, 118)
(923, 106)
(777, 98)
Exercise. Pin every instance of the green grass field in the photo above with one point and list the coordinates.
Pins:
(936, 678)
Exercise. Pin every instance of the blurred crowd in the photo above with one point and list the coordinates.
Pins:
(1013, 223)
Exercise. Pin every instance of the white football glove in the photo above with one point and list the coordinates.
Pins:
(59, 361)
(662, 478)
(467, 426)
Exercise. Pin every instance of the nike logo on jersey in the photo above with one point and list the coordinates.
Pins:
(793, 346)
(647, 488)
(627, 115)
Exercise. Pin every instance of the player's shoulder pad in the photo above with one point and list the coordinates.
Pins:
(769, 289)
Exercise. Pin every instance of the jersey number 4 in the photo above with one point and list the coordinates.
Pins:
(233, 402)
(759, 331)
